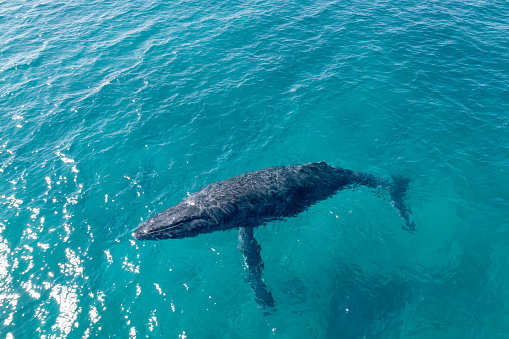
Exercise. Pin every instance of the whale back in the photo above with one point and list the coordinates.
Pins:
(253, 198)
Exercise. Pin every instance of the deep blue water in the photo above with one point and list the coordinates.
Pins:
(112, 111)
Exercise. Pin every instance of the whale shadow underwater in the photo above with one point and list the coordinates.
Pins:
(252, 199)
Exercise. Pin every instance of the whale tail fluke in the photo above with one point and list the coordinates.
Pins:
(398, 190)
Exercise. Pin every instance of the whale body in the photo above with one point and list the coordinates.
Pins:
(252, 199)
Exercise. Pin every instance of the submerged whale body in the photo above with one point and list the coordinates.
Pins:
(252, 199)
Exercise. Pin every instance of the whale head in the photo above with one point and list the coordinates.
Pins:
(181, 221)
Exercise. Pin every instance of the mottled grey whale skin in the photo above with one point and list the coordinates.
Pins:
(252, 199)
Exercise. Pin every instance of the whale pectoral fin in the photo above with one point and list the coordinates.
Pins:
(398, 192)
(253, 259)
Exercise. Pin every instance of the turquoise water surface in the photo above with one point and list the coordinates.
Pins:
(113, 111)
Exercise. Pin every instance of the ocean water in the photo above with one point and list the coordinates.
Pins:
(113, 111)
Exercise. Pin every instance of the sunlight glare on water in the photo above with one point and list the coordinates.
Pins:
(111, 112)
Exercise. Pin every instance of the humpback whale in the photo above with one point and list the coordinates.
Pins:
(252, 199)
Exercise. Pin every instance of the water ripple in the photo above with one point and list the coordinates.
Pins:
(113, 111)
